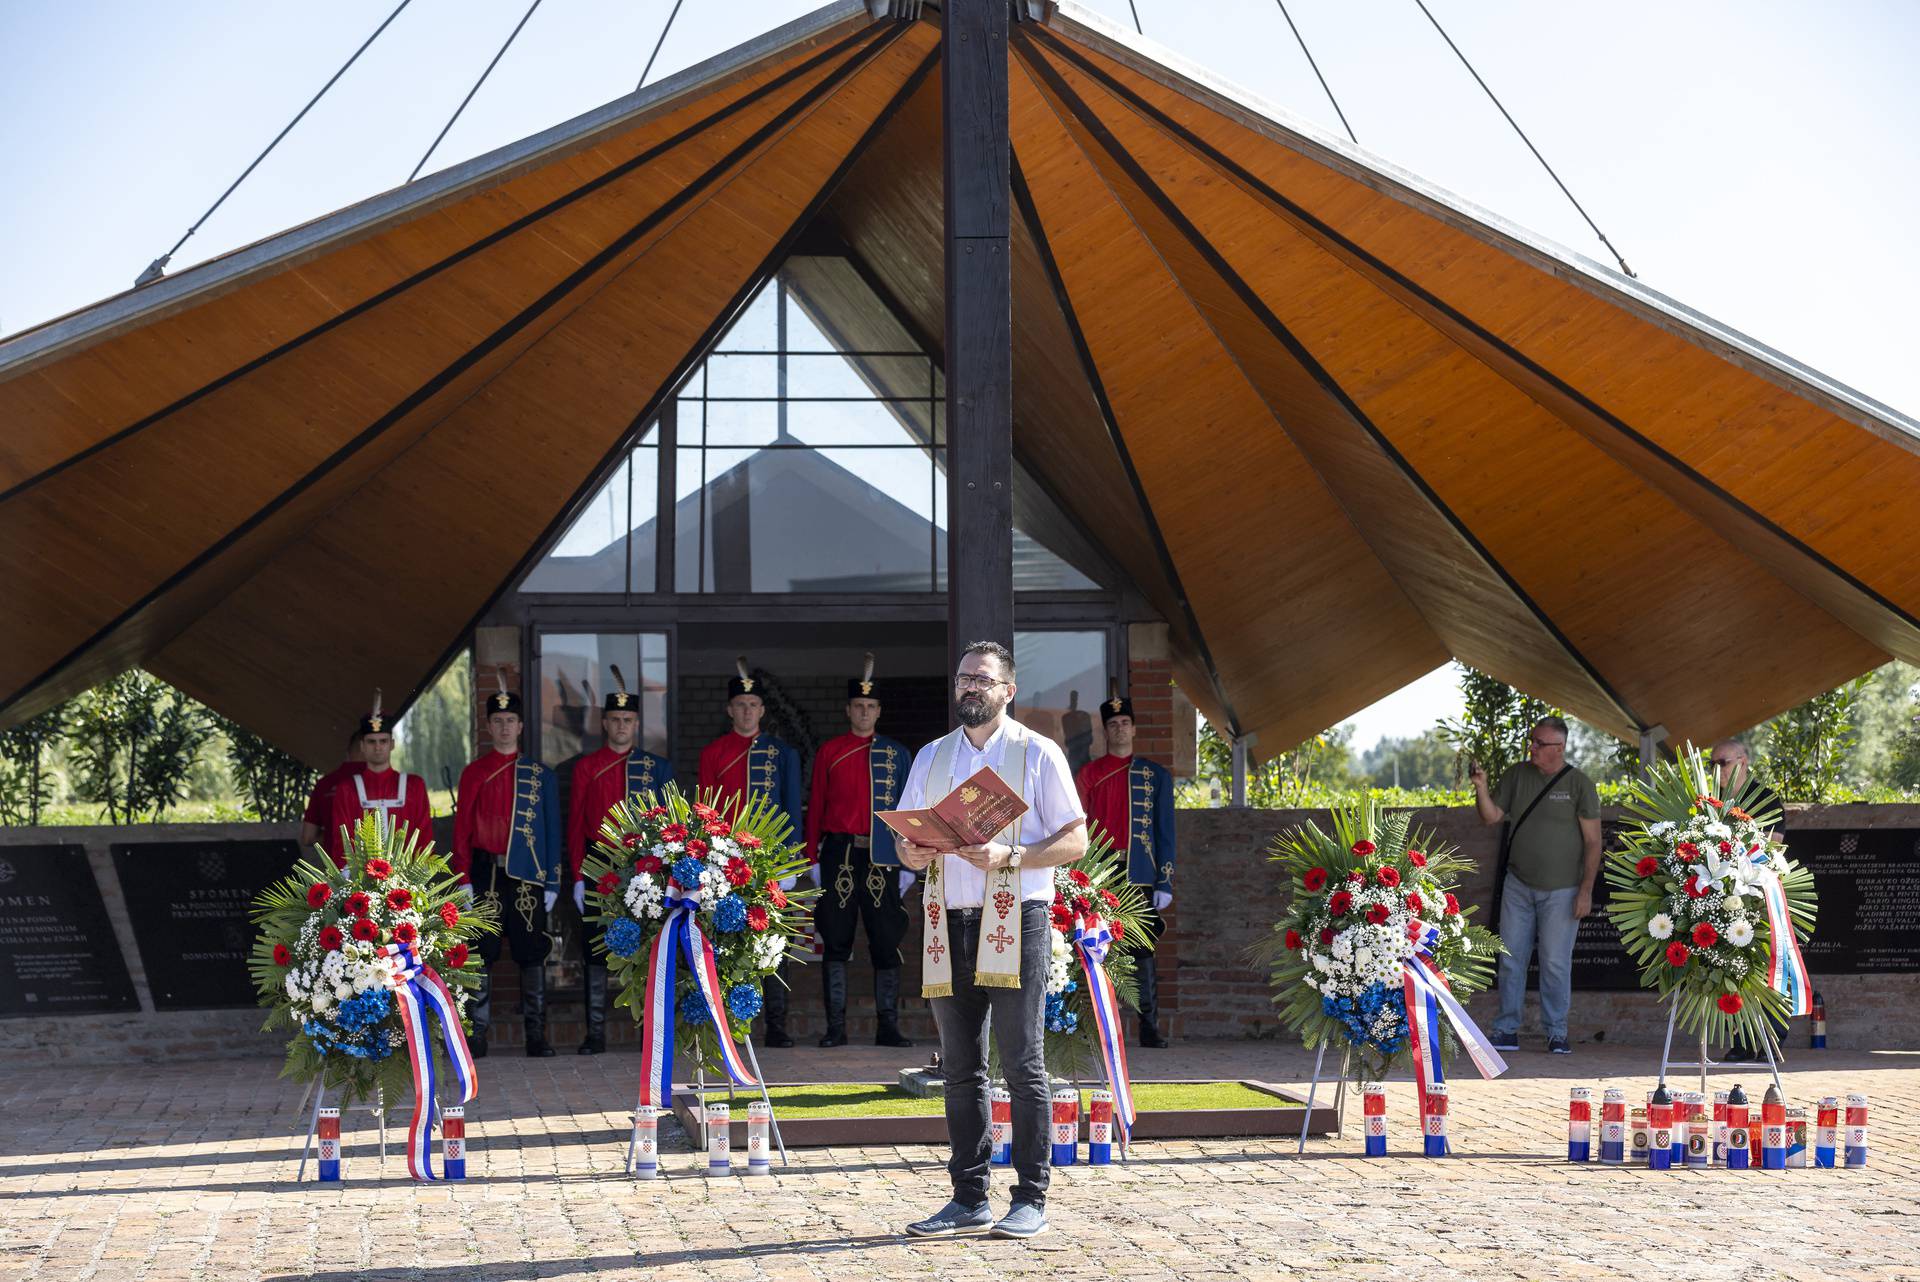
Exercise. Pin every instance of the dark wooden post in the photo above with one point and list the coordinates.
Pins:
(979, 345)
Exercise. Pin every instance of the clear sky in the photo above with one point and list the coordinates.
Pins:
(1753, 159)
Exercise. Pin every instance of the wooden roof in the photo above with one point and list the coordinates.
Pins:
(1336, 425)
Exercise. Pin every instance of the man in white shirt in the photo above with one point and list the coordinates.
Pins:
(967, 987)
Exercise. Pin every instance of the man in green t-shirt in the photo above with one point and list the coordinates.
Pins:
(1552, 817)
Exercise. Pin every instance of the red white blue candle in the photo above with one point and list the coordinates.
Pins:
(327, 1129)
(1642, 1132)
(1001, 1126)
(1819, 1039)
(1773, 1131)
(1856, 1130)
(759, 1138)
(1699, 1129)
(1580, 1124)
(1660, 1130)
(646, 1142)
(1435, 1128)
(1373, 1109)
(1796, 1137)
(1100, 1129)
(719, 1140)
(1066, 1127)
(1826, 1131)
(1720, 1128)
(453, 1141)
(1613, 1126)
(1739, 1136)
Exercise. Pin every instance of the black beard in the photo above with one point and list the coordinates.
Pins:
(975, 712)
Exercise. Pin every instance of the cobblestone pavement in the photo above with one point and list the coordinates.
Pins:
(185, 1171)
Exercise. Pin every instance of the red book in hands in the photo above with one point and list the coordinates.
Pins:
(971, 815)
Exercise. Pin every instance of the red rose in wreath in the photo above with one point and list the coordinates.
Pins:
(739, 872)
(1110, 899)
(1730, 1003)
(1117, 929)
(1326, 935)
(1705, 936)
(674, 832)
(457, 956)
(776, 894)
(358, 904)
(1377, 915)
(1364, 848)
(1293, 941)
(1079, 878)
(609, 882)
(697, 848)
(365, 931)
(1678, 953)
(1081, 906)
(1414, 902)
(747, 841)
(1647, 866)
(318, 894)
(1388, 877)
(1417, 859)
(449, 915)
(1339, 904)
(1356, 877)
(399, 899)
(757, 917)
(331, 939)
(1687, 850)
(1314, 879)
(1453, 906)
(404, 933)
(379, 869)
(282, 955)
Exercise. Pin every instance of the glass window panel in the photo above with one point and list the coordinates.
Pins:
(1062, 679)
(744, 375)
(1036, 569)
(856, 423)
(644, 523)
(575, 671)
(843, 377)
(592, 555)
(731, 518)
(939, 487)
(754, 331)
(732, 423)
(687, 531)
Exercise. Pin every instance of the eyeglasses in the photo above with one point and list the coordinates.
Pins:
(1549, 743)
(966, 682)
(1723, 763)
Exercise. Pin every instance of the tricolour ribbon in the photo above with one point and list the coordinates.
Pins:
(1786, 968)
(1092, 938)
(1427, 998)
(418, 992)
(681, 936)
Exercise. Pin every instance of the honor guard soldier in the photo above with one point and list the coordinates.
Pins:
(395, 798)
(507, 849)
(313, 824)
(855, 863)
(610, 773)
(1131, 799)
(744, 762)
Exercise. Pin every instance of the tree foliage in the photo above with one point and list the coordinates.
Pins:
(1803, 751)
(1492, 728)
(274, 781)
(134, 743)
(26, 782)
(435, 739)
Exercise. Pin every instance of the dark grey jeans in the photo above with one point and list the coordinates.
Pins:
(1017, 1017)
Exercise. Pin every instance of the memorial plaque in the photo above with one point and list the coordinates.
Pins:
(189, 901)
(58, 954)
(1864, 877)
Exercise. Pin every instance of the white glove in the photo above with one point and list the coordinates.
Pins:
(787, 883)
(813, 873)
(1162, 900)
(466, 894)
(907, 879)
(553, 897)
(580, 897)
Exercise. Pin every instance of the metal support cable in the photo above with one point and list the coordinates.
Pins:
(1316, 72)
(511, 37)
(1523, 138)
(158, 266)
(648, 69)
(1136, 17)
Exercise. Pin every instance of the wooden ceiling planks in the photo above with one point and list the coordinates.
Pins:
(79, 394)
(1634, 542)
(459, 512)
(325, 416)
(1275, 587)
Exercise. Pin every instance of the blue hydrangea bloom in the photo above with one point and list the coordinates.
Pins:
(730, 914)
(743, 1001)
(693, 1009)
(686, 871)
(365, 1009)
(623, 937)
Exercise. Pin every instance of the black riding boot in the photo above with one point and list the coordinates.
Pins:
(773, 1003)
(1146, 975)
(533, 1009)
(596, 990)
(480, 1012)
(833, 989)
(886, 1008)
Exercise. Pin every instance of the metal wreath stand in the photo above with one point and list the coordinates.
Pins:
(317, 1090)
(1767, 1044)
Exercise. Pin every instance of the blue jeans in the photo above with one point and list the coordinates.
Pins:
(1527, 917)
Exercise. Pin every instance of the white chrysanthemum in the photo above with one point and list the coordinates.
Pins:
(1664, 828)
(1719, 831)
(322, 999)
(1660, 926)
(1343, 945)
(1740, 933)
(1320, 962)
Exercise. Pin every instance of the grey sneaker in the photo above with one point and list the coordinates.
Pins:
(1506, 1041)
(1558, 1046)
(1023, 1219)
(953, 1219)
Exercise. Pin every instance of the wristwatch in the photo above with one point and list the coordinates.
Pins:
(1014, 854)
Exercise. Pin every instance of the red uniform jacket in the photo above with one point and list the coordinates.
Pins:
(415, 811)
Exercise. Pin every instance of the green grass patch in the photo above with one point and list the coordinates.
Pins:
(868, 1100)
